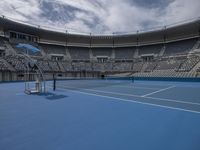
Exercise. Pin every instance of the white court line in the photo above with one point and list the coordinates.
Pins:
(133, 101)
(100, 91)
(112, 93)
(137, 87)
(151, 84)
(131, 86)
(132, 95)
(158, 91)
(172, 100)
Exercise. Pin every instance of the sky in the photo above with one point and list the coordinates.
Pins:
(101, 16)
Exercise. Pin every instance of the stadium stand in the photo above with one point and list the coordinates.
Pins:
(150, 49)
(179, 47)
(189, 64)
(81, 66)
(54, 66)
(165, 73)
(137, 66)
(44, 65)
(66, 65)
(78, 53)
(198, 70)
(3, 66)
(102, 52)
(126, 53)
(53, 49)
(17, 61)
(2, 46)
(150, 66)
(108, 66)
(169, 64)
(167, 57)
(1, 42)
(98, 66)
(122, 66)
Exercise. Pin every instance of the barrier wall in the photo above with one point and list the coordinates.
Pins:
(6, 76)
(175, 79)
(15, 77)
(168, 79)
(18, 76)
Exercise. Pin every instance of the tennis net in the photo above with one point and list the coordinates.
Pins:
(90, 82)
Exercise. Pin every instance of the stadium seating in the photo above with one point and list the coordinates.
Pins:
(78, 53)
(44, 65)
(165, 73)
(124, 53)
(198, 70)
(170, 65)
(108, 66)
(81, 66)
(102, 52)
(150, 66)
(66, 65)
(54, 66)
(150, 49)
(179, 47)
(122, 66)
(3, 66)
(137, 66)
(53, 49)
(1, 42)
(18, 62)
(189, 63)
(98, 66)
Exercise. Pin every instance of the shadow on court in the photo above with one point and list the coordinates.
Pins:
(53, 96)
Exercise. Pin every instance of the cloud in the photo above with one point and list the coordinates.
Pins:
(101, 16)
(126, 17)
(20, 9)
(180, 10)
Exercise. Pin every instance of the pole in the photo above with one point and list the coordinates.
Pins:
(54, 82)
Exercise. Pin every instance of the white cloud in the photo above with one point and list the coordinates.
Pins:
(181, 10)
(20, 9)
(101, 16)
(124, 17)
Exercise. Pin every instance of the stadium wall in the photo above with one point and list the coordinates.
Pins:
(7, 76)
(175, 79)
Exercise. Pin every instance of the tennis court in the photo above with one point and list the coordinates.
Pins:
(101, 114)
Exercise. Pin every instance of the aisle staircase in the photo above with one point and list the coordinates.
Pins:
(162, 51)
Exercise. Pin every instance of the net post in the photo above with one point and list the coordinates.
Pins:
(132, 78)
(102, 77)
(54, 82)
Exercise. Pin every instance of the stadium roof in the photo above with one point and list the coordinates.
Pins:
(182, 30)
(100, 16)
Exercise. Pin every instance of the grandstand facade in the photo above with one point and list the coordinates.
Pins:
(172, 51)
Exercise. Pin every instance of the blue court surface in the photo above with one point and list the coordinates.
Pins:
(93, 115)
